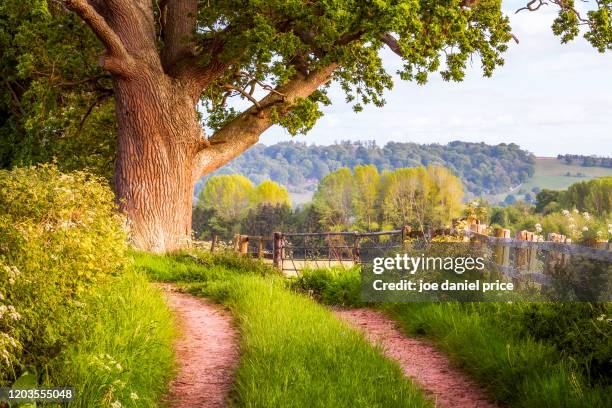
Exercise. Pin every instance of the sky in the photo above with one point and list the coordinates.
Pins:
(549, 98)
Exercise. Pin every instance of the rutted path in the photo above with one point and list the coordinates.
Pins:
(429, 368)
(207, 352)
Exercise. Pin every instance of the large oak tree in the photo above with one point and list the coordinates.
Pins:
(176, 65)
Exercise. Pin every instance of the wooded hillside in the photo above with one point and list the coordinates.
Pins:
(483, 169)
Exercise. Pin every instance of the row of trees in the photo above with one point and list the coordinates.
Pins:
(365, 199)
(359, 199)
(593, 196)
(586, 161)
(227, 200)
(482, 168)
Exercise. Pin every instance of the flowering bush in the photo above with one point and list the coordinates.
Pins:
(60, 235)
(579, 226)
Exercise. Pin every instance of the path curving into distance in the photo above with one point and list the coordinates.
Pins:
(419, 360)
(207, 352)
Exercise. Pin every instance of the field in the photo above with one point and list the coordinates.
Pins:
(551, 173)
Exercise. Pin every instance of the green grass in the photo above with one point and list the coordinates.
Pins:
(486, 341)
(295, 353)
(126, 352)
(550, 173)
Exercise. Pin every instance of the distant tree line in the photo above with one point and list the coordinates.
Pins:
(593, 196)
(586, 161)
(362, 199)
(483, 169)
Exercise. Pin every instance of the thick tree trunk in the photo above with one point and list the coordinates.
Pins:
(154, 174)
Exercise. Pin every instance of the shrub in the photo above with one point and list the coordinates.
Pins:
(60, 235)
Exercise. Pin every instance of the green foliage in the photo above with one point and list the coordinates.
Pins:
(593, 196)
(572, 328)
(547, 201)
(127, 354)
(269, 192)
(482, 168)
(199, 266)
(266, 219)
(335, 286)
(276, 40)
(227, 201)
(420, 197)
(294, 353)
(598, 30)
(364, 200)
(60, 236)
(333, 199)
(365, 181)
(55, 102)
(228, 198)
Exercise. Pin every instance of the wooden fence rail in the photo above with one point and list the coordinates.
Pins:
(527, 254)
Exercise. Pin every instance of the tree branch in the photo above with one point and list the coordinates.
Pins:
(392, 43)
(244, 131)
(180, 26)
(117, 60)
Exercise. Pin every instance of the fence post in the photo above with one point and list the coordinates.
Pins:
(237, 242)
(260, 248)
(277, 255)
(213, 243)
(405, 232)
(244, 244)
(356, 252)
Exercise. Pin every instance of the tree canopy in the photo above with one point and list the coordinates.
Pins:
(483, 168)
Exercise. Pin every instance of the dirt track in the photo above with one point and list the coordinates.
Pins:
(420, 361)
(207, 352)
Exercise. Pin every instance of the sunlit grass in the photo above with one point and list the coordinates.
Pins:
(481, 339)
(294, 352)
(125, 355)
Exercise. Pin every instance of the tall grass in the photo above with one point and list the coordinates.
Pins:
(485, 340)
(125, 357)
(295, 353)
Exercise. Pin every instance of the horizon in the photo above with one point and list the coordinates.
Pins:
(549, 98)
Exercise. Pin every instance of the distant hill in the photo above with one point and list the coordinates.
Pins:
(484, 169)
(557, 174)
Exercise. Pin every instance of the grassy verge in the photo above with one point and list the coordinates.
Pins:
(295, 353)
(495, 345)
(125, 357)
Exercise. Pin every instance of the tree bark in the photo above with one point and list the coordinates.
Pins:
(161, 148)
(158, 132)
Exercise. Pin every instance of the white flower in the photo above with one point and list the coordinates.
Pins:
(585, 228)
(576, 211)
(601, 317)
(133, 396)
(565, 212)
(116, 404)
(586, 215)
(118, 366)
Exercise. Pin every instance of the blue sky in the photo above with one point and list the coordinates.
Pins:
(549, 98)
